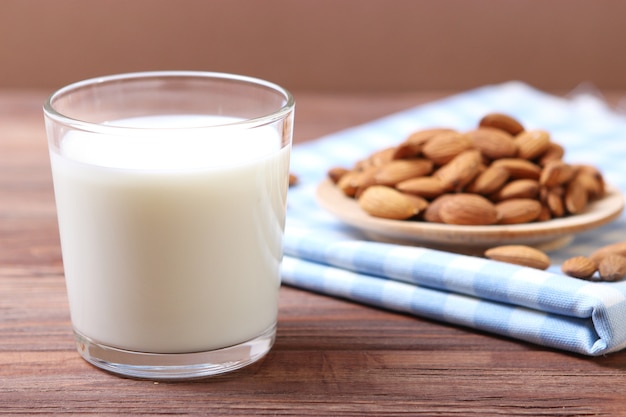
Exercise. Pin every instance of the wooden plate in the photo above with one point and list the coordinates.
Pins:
(547, 235)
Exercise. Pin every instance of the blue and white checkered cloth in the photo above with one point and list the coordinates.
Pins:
(544, 307)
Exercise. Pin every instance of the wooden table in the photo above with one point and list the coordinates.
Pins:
(331, 357)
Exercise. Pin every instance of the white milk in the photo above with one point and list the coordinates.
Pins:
(182, 254)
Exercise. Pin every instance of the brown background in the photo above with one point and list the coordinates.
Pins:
(322, 45)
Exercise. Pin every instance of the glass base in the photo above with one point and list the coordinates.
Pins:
(174, 366)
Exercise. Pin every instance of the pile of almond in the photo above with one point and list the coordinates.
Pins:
(497, 173)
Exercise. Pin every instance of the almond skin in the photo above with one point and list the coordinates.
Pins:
(503, 122)
(532, 143)
(468, 209)
(524, 188)
(444, 146)
(519, 168)
(579, 267)
(402, 169)
(493, 143)
(612, 267)
(575, 198)
(460, 171)
(385, 202)
(518, 210)
(431, 214)
(519, 255)
(412, 146)
(556, 173)
(591, 183)
(336, 173)
(489, 181)
(618, 248)
(554, 152)
(427, 187)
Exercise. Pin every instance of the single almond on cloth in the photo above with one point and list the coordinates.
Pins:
(556, 173)
(468, 209)
(518, 210)
(503, 122)
(532, 143)
(519, 255)
(402, 169)
(444, 146)
(427, 187)
(460, 171)
(579, 267)
(493, 143)
(524, 188)
(388, 203)
(618, 248)
(612, 267)
(489, 181)
(519, 168)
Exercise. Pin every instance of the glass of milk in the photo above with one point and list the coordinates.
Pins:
(170, 189)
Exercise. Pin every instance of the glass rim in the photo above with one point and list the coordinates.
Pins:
(280, 113)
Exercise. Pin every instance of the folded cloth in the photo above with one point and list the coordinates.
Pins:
(543, 307)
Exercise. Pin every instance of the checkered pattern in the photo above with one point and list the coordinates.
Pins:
(543, 307)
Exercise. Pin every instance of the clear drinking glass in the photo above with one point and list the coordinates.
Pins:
(171, 190)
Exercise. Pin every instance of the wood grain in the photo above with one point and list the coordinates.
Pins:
(332, 357)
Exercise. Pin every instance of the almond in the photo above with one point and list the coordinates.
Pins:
(555, 173)
(377, 158)
(544, 215)
(523, 188)
(532, 143)
(554, 152)
(519, 255)
(618, 248)
(460, 171)
(493, 143)
(489, 181)
(336, 173)
(579, 267)
(612, 267)
(503, 122)
(402, 169)
(347, 183)
(444, 146)
(353, 182)
(427, 187)
(518, 210)
(412, 146)
(385, 202)
(468, 209)
(554, 201)
(575, 198)
(592, 184)
(431, 214)
(519, 168)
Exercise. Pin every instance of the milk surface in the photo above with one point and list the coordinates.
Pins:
(172, 240)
